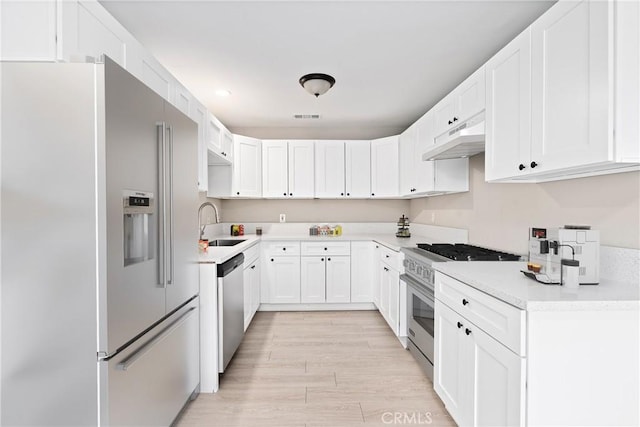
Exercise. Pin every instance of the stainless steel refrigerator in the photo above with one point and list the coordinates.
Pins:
(99, 276)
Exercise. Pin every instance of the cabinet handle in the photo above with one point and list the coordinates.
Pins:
(321, 259)
(325, 249)
(284, 194)
(284, 249)
(533, 165)
(387, 256)
(464, 302)
(342, 194)
(521, 166)
(271, 259)
(386, 269)
(348, 194)
(253, 266)
(328, 259)
(373, 194)
(455, 119)
(291, 194)
(238, 193)
(459, 325)
(450, 122)
(467, 331)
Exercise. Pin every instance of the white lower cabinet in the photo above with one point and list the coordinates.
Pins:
(480, 381)
(251, 278)
(325, 272)
(389, 269)
(283, 279)
(362, 271)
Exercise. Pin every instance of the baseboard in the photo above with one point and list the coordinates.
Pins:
(318, 307)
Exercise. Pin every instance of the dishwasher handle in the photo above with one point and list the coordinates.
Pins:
(227, 267)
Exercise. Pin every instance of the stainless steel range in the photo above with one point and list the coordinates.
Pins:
(419, 276)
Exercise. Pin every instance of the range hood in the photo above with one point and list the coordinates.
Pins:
(464, 140)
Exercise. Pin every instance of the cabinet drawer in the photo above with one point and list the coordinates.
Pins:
(392, 258)
(500, 320)
(251, 254)
(282, 248)
(326, 248)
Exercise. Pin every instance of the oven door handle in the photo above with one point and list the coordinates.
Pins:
(419, 288)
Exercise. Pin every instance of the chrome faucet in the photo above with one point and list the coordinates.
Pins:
(202, 206)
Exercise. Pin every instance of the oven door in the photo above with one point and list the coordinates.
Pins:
(421, 323)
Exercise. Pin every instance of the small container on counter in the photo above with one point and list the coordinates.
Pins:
(259, 231)
(203, 245)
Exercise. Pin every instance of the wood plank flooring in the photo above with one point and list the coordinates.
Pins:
(342, 368)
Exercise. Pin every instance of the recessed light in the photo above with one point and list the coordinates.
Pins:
(223, 92)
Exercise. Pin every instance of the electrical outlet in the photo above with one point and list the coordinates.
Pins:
(283, 218)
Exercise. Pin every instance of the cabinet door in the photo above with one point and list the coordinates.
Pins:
(394, 301)
(499, 379)
(508, 112)
(198, 114)
(247, 167)
(384, 291)
(384, 167)
(451, 363)
(301, 169)
(424, 170)
(283, 276)
(274, 169)
(182, 99)
(407, 147)
(362, 271)
(338, 279)
(255, 288)
(377, 273)
(227, 144)
(443, 114)
(329, 165)
(214, 134)
(312, 279)
(247, 283)
(470, 96)
(358, 169)
(570, 102)
(28, 30)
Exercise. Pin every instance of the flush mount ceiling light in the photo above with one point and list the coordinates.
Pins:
(223, 93)
(317, 84)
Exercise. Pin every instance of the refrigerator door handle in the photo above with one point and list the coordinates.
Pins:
(136, 355)
(162, 142)
(170, 197)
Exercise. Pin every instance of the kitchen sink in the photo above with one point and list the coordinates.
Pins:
(225, 242)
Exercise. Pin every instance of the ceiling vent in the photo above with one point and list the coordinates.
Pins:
(306, 116)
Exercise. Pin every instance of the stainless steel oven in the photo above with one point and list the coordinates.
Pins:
(420, 323)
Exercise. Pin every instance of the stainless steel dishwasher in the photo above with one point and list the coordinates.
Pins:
(230, 309)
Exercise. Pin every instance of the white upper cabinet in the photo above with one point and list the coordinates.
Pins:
(182, 98)
(330, 169)
(214, 134)
(407, 146)
(420, 178)
(198, 114)
(584, 95)
(508, 111)
(570, 78)
(227, 144)
(247, 167)
(358, 169)
(288, 169)
(464, 102)
(28, 30)
(384, 167)
(301, 169)
(275, 169)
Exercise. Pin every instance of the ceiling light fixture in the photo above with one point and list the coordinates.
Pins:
(316, 83)
(223, 92)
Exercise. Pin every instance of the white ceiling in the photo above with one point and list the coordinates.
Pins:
(392, 60)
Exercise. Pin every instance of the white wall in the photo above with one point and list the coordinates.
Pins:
(499, 215)
(314, 210)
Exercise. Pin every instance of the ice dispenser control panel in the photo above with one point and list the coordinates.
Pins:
(139, 221)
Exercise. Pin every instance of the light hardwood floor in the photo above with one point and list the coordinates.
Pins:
(319, 369)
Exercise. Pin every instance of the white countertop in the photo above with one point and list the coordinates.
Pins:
(219, 254)
(504, 281)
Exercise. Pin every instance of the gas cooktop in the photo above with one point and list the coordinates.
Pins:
(464, 252)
